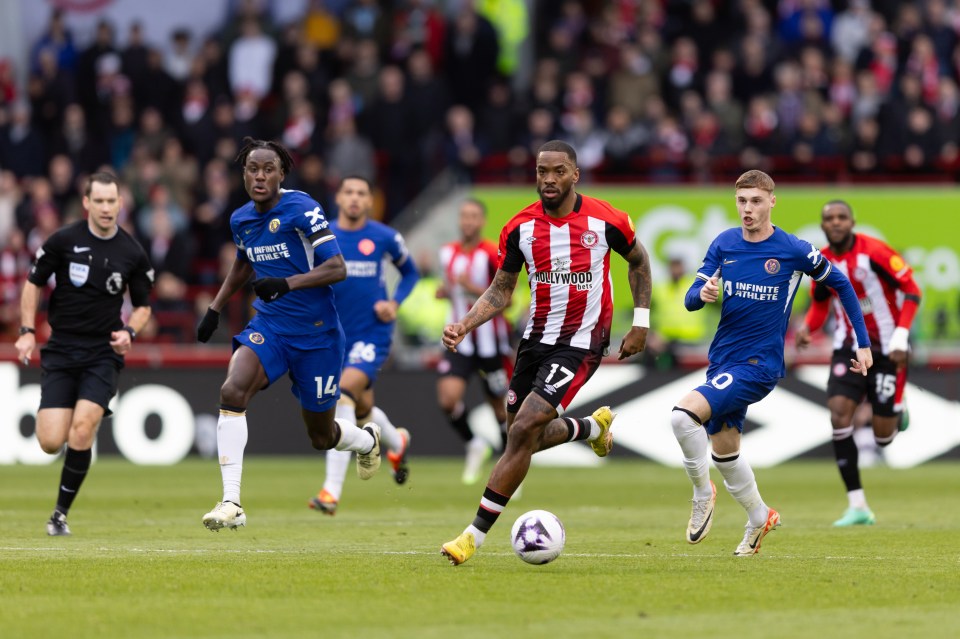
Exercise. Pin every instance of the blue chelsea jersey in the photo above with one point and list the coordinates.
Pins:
(759, 281)
(366, 251)
(292, 238)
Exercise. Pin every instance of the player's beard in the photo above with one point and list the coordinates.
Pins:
(554, 204)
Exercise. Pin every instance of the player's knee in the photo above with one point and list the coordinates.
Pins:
(232, 394)
(321, 440)
(525, 432)
(50, 445)
(683, 422)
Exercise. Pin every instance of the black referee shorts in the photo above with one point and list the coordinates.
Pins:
(70, 372)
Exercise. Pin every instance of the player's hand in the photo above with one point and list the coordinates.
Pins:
(270, 289)
(25, 345)
(121, 342)
(453, 334)
(863, 362)
(633, 342)
(206, 327)
(386, 310)
(710, 292)
(802, 337)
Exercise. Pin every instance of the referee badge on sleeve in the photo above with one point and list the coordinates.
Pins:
(79, 273)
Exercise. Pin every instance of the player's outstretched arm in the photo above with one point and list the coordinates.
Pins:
(493, 301)
(638, 275)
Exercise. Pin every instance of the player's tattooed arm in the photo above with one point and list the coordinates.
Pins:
(493, 301)
(638, 274)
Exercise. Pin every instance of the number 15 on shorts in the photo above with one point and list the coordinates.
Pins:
(326, 386)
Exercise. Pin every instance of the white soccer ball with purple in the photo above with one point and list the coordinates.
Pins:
(537, 537)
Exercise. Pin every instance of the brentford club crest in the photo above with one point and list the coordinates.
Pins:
(589, 239)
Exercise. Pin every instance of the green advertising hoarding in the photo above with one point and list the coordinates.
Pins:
(917, 221)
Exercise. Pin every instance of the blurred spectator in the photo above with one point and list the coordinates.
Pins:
(673, 326)
(63, 186)
(364, 19)
(625, 140)
(59, 39)
(160, 206)
(463, 148)
(321, 27)
(387, 123)
(512, 25)
(470, 57)
(850, 30)
(22, 149)
(250, 66)
(15, 263)
(134, 57)
(633, 81)
(178, 58)
(9, 199)
(348, 152)
(37, 215)
(417, 24)
(49, 91)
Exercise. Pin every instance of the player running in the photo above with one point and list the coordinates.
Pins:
(469, 265)
(881, 279)
(368, 316)
(283, 239)
(564, 240)
(761, 267)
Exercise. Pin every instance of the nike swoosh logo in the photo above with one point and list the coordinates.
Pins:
(729, 261)
(66, 490)
(80, 249)
(695, 536)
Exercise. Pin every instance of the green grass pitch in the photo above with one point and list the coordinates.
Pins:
(140, 564)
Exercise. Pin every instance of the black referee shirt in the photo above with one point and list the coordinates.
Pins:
(91, 275)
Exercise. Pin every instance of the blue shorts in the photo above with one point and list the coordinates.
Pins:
(730, 389)
(367, 353)
(314, 362)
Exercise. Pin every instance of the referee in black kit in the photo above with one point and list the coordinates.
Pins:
(93, 261)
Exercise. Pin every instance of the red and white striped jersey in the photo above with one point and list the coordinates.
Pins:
(568, 266)
(490, 339)
(884, 284)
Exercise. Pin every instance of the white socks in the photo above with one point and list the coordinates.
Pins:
(694, 443)
(594, 429)
(740, 482)
(338, 461)
(388, 432)
(857, 499)
(478, 536)
(231, 440)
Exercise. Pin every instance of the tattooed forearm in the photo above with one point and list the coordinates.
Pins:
(493, 301)
(638, 275)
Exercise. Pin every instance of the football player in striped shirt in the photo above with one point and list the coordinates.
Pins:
(889, 298)
(564, 241)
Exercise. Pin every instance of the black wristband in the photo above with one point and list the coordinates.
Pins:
(26, 329)
(129, 329)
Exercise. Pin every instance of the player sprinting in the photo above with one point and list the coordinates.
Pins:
(93, 261)
(368, 315)
(880, 278)
(468, 266)
(760, 266)
(564, 240)
(284, 240)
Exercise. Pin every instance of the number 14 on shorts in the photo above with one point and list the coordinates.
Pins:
(326, 386)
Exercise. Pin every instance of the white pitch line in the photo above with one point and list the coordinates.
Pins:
(255, 551)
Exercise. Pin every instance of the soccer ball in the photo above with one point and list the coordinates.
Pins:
(537, 537)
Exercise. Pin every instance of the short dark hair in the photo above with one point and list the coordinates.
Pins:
(560, 146)
(477, 203)
(102, 177)
(356, 176)
(250, 144)
(840, 203)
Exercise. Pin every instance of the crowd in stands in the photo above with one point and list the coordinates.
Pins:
(646, 90)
